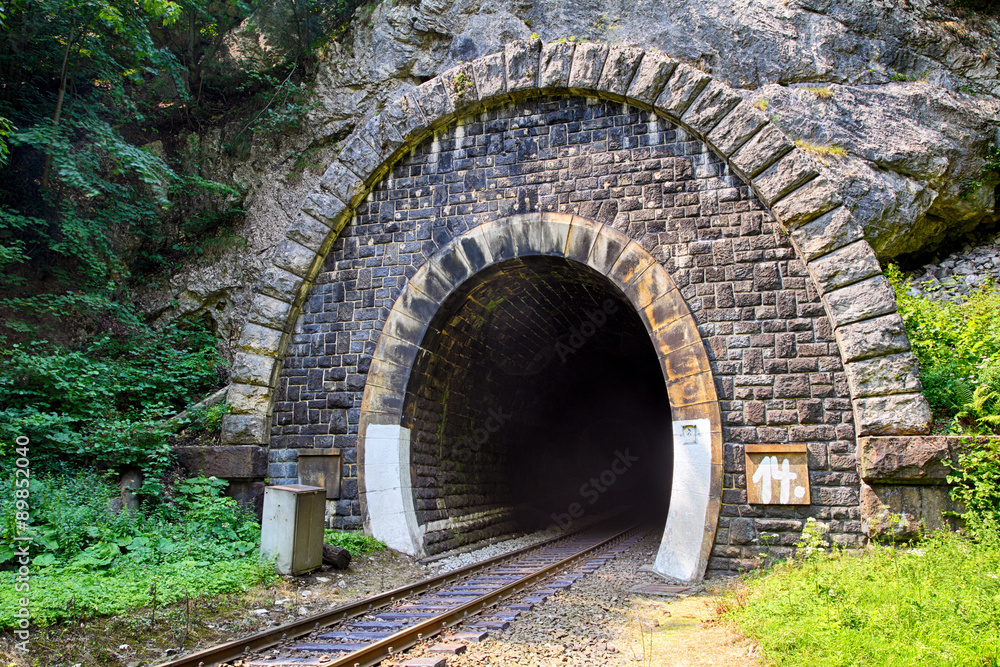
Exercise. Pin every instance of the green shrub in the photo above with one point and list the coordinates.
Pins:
(958, 346)
(355, 542)
(938, 604)
(87, 559)
(104, 403)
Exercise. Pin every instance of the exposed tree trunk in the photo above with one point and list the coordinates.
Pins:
(58, 114)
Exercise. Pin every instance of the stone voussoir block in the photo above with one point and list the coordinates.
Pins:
(249, 399)
(682, 88)
(827, 233)
(245, 429)
(251, 368)
(383, 135)
(224, 461)
(490, 74)
(882, 376)
(588, 64)
(714, 103)
(359, 156)
(737, 128)
(294, 257)
(761, 151)
(807, 202)
(324, 207)
(877, 337)
(460, 83)
(787, 174)
(262, 340)
(860, 301)
(651, 77)
(850, 264)
(434, 101)
(343, 183)
(521, 64)
(619, 69)
(281, 284)
(270, 312)
(309, 232)
(405, 117)
(555, 65)
(898, 414)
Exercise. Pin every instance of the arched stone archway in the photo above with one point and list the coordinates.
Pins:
(384, 456)
(839, 264)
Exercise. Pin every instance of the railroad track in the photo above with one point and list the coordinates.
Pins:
(369, 631)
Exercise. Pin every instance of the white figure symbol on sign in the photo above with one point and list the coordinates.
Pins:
(769, 471)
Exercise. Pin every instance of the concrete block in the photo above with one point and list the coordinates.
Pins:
(294, 257)
(262, 340)
(920, 459)
(324, 207)
(248, 399)
(405, 116)
(280, 284)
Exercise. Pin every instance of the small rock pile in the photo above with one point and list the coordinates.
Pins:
(961, 272)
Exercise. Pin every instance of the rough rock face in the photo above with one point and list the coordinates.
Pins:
(959, 272)
(908, 90)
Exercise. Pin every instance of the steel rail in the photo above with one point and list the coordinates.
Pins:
(238, 648)
(407, 637)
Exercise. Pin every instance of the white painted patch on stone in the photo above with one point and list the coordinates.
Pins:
(389, 488)
(679, 556)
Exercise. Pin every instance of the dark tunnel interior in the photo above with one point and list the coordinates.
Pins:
(537, 400)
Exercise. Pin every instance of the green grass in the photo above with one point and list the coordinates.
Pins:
(59, 594)
(936, 604)
(356, 542)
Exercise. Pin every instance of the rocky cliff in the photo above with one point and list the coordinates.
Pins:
(901, 100)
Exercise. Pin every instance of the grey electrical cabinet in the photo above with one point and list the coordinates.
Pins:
(291, 528)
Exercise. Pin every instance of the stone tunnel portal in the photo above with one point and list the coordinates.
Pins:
(537, 399)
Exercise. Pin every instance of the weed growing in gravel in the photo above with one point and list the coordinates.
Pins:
(355, 542)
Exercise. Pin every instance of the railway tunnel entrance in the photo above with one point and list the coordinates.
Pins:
(537, 399)
(535, 372)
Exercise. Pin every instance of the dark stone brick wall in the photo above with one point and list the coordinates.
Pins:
(778, 373)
